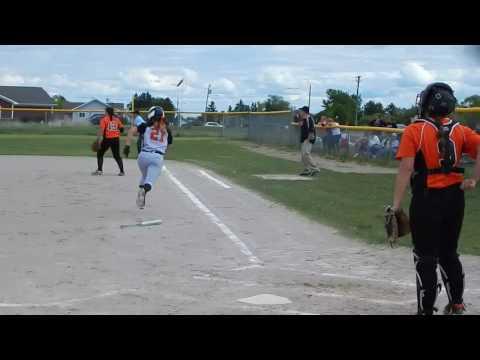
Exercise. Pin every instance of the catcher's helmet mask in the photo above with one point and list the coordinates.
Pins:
(437, 99)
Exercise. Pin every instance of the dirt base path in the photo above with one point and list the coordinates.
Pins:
(332, 165)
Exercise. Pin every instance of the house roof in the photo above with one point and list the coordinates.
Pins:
(118, 106)
(26, 95)
(71, 105)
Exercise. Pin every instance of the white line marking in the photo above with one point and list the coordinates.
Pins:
(224, 228)
(238, 282)
(353, 277)
(247, 267)
(221, 183)
(295, 312)
(375, 301)
(68, 302)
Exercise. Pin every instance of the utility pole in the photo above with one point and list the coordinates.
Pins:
(357, 103)
(209, 91)
(179, 116)
(309, 93)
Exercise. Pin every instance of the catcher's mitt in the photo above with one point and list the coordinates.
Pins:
(95, 146)
(397, 224)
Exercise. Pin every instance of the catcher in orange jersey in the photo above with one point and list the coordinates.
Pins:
(430, 152)
(109, 137)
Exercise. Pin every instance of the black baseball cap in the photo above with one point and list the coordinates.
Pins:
(305, 109)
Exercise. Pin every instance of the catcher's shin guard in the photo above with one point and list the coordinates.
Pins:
(453, 278)
(428, 287)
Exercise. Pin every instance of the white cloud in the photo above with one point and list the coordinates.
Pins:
(99, 88)
(157, 79)
(284, 76)
(62, 80)
(416, 73)
(292, 97)
(224, 84)
(11, 79)
(190, 75)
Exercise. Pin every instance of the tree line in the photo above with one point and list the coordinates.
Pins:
(338, 105)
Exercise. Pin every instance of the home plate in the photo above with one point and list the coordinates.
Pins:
(265, 299)
(284, 177)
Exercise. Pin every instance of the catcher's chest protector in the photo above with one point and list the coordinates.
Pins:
(447, 156)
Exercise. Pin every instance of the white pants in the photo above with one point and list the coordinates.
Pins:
(307, 160)
(150, 165)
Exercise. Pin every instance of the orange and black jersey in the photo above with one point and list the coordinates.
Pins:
(421, 136)
(111, 127)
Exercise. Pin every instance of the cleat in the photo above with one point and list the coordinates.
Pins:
(97, 173)
(141, 198)
(305, 173)
(427, 312)
(454, 309)
(314, 172)
(121, 173)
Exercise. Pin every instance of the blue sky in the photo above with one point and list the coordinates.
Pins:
(389, 73)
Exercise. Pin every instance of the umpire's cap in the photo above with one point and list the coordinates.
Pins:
(305, 109)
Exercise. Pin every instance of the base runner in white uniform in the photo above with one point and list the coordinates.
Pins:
(156, 139)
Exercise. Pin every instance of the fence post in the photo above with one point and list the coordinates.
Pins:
(249, 118)
(11, 117)
(223, 124)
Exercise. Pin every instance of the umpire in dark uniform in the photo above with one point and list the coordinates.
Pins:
(307, 139)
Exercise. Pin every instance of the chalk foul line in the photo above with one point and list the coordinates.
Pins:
(214, 219)
(219, 182)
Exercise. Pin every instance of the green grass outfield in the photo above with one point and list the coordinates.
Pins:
(352, 203)
(39, 129)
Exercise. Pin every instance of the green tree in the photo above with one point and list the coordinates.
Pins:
(230, 108)
(405, 115)
(59, 101)
(373, 108)
(471, 101)
(211, 107)
(253, 107)
(274, 103)
(165, 103)
(340, 105)
(391, 109)
(145, 100)
(241, 107)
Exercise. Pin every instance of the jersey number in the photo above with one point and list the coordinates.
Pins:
(156, 136)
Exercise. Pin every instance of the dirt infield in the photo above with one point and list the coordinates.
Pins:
(62, 250)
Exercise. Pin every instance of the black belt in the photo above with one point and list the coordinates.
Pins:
(156, 152)
(454, 169)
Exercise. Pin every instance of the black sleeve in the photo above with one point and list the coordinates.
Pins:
(311, 124)
(170, 137)
(141, 128)
(121, 130)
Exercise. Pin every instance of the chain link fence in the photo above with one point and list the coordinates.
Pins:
(372, 144)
